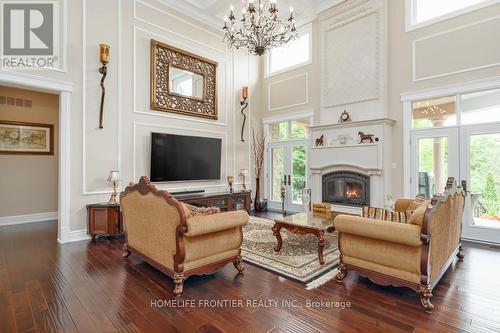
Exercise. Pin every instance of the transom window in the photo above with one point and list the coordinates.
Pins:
(421, 13)
(462, 109)
(292, 55)
(289, 130)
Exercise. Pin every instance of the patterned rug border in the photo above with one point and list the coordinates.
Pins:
(324, 271)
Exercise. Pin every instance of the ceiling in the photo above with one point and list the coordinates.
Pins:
(213, 11)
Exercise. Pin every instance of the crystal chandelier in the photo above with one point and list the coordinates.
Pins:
(261, 29)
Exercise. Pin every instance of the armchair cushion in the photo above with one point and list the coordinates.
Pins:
(202, 225)
(419, 200)
(417, 218)
(190, 210)
(406, 234)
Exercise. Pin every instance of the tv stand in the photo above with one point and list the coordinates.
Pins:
(187, 192)
(226, 201)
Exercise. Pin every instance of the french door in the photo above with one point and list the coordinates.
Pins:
(287, 169)
(480, 167)
(470, 153)
(435, 157)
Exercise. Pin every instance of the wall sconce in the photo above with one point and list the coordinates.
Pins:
(244, 103)
(104, 54)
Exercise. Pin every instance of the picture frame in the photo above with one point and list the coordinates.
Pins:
(23, 138)
(163, 98)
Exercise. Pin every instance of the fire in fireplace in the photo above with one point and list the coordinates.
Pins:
(346, 188)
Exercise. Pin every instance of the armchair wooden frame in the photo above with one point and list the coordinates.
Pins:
(178, 274)
(426, 285)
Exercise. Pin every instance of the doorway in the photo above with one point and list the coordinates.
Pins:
(64, 90)
(459, 136)
(29, 150)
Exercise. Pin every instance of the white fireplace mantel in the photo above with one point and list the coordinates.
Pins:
(371, 159)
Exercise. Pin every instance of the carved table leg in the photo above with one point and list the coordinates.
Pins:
(126, 252)
(425, 297)
(342, 272)
(238, 264)
(179, 284)
(321, 246)
(460, 253)
(276, 233)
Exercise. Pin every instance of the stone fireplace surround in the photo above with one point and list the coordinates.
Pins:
(370, 159)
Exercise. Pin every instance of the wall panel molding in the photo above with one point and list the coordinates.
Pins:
(495, 51)
(222, 68)
(355, 77)
(85, 191)
(271, 84)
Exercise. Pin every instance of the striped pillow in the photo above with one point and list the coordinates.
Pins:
(386, 215)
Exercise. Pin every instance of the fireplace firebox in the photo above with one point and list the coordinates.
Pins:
(346, 188)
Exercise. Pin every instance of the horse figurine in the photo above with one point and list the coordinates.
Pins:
(364, 137)
(319, 141)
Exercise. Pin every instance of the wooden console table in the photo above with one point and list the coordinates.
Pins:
(226, 201)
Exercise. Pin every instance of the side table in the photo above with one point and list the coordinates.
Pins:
(103, 219)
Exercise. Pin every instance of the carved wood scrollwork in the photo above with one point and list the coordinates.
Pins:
(163, 57)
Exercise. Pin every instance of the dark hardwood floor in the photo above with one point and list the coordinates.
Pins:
(87, 287)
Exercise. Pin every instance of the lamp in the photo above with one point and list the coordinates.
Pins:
(243, 175)
(113, 178)
(244, 103)
(230, 180)
(104, 56)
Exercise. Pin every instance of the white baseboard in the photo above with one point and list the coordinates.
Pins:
(29, 218)
(77, 236)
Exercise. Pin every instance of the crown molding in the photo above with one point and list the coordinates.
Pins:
(195, 12)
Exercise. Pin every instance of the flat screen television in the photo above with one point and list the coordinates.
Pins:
(184, 158)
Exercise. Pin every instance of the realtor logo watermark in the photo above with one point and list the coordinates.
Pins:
(29, 35)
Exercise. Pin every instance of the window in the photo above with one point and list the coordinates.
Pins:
(289, 130)
(420, 13)
(291, 55)
(437, 112)
(474, 108)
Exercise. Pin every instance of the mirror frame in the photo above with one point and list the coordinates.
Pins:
(161, 99)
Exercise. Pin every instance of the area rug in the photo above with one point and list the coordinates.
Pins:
(297, 259)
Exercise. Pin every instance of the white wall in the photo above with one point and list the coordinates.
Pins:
(128, 26)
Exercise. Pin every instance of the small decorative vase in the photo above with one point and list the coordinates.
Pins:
(257, 203)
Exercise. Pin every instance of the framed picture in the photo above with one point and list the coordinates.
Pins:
(26, 138)
(182, 82)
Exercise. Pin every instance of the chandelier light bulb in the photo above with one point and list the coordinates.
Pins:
(291, 9)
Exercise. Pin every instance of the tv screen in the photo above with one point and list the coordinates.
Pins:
(183, 158)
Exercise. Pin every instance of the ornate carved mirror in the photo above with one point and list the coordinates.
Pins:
(182, 82)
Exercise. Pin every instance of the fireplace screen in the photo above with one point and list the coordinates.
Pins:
(346, 188)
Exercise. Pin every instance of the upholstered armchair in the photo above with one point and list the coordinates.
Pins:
(414, 254)
(158, 231)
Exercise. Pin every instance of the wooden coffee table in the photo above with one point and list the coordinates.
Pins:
(304, 224)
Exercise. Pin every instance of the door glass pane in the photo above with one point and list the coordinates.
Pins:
(278, 131)
(278, 172)
(299, 129)
(485, 179)
(437, 112)
(432, 165)
(299, 164)
(481, 107)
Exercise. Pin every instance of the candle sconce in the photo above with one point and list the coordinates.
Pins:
(244, 103)
(104, 55)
